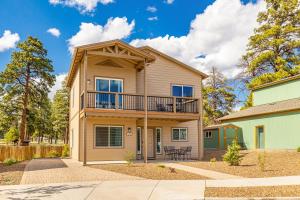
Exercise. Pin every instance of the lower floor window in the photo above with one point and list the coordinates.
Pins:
(179, 134)
(109, 136)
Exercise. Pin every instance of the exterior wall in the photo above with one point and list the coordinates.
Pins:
(74, 116)
(127, 73)
(212, 143)
(280, 92)
(167, 131)
(281, 130)
(163, 73)
(97, 153)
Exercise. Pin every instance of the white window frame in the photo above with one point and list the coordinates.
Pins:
(109, 79)
(208, 134)
(109, 147)
(140, 132)
(160, 139)
(180, 85)
(179, 140)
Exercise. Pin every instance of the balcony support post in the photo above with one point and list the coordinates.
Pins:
(85, 105)
(117, 101)
(200, 127)
(146, 115)
(174, 104)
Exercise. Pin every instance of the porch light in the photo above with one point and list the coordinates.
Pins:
(129, 131)
(89, 81)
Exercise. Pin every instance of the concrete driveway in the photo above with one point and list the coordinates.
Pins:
(108, 190)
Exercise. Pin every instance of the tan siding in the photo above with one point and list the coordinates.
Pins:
(163, 73)
(129, 142)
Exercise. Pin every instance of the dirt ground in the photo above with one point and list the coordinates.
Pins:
(11, 175)
(277, 163)
(270, 191)
(150, 171)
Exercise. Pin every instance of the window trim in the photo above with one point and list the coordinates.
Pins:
(182, 85)
(180, 140)
(109, 79)
(205, 135)
(109, 147)
(160, 139)
(139, 152)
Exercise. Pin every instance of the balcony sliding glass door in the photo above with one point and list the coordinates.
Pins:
(108, 87)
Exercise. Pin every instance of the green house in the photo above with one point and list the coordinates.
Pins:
(274, 120)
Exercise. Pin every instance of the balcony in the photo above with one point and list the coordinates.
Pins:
(122, 104)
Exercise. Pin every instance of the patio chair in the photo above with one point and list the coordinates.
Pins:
(182, 153)
(169, 151)
(189, 152)
(160, 107)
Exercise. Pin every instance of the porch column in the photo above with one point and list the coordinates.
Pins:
(85, 105)
(200, 127)
(146, 115)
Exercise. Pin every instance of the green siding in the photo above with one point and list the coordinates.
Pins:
(280, 92)
(282, 131)
(211, 143)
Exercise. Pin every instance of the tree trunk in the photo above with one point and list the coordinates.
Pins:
(24, 109)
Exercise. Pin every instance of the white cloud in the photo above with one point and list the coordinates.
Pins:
(217, 37)
(58, 84)
(84, 6)
(169, 1)
(155, 18)
(115, 28)
(54, 31)
(8, 40)
(151, 9)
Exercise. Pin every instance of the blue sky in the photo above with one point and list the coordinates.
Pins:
(226, 24)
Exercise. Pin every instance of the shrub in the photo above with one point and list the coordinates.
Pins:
(129, 157)
(212, 161)
(11, 135)
(262, 161)
(232, 155)
(36, 156)
(161, 166)
(66, 151)
(298, 149)
(53, 154)
(9, 161)
(172, 170)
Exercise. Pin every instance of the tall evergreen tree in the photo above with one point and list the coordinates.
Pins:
(27, 77)
(273, 51)
(60, 112)
(218, 97)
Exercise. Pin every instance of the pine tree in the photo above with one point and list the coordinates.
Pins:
(60, 112)
(273, 50)
(27, 78)
(218, 97)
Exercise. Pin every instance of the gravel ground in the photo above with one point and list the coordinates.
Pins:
(150, 171)
(270, 191)
(11, 175)
(283, 163)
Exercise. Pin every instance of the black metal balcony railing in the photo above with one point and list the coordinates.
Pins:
(110, 100)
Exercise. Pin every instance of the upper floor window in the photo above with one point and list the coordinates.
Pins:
(109, 85)
(208, 134)
(182, 91)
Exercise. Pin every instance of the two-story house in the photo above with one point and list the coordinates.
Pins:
(127, 99)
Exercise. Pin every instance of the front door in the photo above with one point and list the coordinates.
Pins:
(260, 137)
(150, 142)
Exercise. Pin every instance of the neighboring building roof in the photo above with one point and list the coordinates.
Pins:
(284, 80)
(270, 108)
(216, 126)
(203, 75)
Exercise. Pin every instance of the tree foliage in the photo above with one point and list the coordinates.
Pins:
(218, 97)
(27, 78)
(273, 50)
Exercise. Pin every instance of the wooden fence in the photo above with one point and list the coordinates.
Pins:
(27, 152)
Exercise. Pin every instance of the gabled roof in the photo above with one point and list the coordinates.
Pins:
(284, 80)
(265, 109)
(216, 126)
(203, 75)
(79, 52)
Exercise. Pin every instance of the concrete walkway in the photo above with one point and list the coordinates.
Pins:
(66, 170)
(108, 190)
(203, 172)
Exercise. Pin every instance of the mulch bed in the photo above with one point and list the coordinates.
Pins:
(277, 163)
(269, 191)
(12, 175)
(150, 171)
